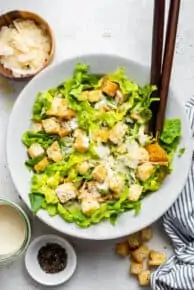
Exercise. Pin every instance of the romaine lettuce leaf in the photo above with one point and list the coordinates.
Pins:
(120, 77)
(41, 105)
(171, 131)
(36, 201)
(45, 140)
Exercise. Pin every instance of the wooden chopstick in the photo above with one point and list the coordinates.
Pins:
(156, 61)
(157, 41)
(167, 62)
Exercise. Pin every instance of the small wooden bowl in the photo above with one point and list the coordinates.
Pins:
(6, 19)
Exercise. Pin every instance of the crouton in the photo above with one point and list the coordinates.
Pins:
(156, 258)
(138, 154)
(54, 152)
(136, 268)
(63, 132)
(122, 249)
(99, 173)
(41, 165)
(135, 192)
(144, 278)
(140, 254)
(66, 192)
(59, 108)
(156, 153)
(146, 234)
(116, 184)
(37, 127)
(89, 205)
(81, 143)
(35, 150)
(144, 171)
(101, 135)
(66, 114)
(51, 126)
(84, 96)
(109, 88)
(82, 168)
(94, 96)
(134, 241)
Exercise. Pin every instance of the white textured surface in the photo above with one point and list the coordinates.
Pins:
(121, 27)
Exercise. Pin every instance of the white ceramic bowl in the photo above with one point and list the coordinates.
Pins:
(154, 206)
(34, 269)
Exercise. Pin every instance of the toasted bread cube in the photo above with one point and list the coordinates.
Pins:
(83, 167)
(60, 109)
(66, 192)
(56, 103)
(41, 165)
(146, 234)
(156, 258)
(136, 268)
(35, 150)
(37, 127)
(101, 135)
(66, 114)
(84, 96)
(156, 153)
(99, 173)
(135, 192)
(117, 133)
(140, 254)
(94, 96)
(122, 249)
(144, 171)
(144, 278)
(63, 132)
(138, 154)
(51, 126)
(134, 241)
(81, 143)
(109, 88)
(116, 184)
(54, 152)
(89, 205)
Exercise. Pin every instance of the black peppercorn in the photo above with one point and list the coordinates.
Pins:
(52, 258)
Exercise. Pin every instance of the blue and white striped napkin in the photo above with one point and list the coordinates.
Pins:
(178, 272)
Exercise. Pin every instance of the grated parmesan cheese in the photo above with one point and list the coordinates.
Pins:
(24, 47)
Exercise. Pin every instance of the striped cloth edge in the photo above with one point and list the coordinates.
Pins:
(178, 272)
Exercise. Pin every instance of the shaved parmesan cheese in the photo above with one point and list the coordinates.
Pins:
(102, 151)
(24, 47)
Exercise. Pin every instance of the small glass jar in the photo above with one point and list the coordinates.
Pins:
(4, 260)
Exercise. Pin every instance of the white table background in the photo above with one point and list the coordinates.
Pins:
(116, 26)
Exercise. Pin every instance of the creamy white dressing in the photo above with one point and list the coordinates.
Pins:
(73, 124)
(12, 230)
(86, 141)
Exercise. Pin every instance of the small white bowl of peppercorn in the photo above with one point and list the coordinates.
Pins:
(50, 260)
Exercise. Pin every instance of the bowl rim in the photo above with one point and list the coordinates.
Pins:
(144, 223)
(28, 230)
(52, 50)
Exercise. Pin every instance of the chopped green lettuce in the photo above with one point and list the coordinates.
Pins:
(181, 152)
(170, 136)
(41, 105)
(42, 138)
(171, 131)
(36, 201)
